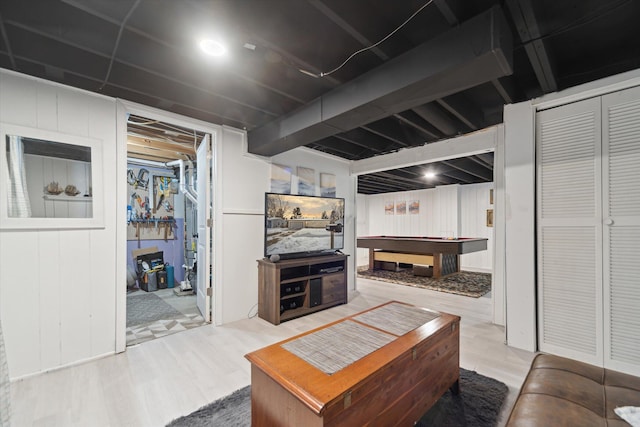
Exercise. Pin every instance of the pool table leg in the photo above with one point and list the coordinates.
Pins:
(371, 260)
(437, 266)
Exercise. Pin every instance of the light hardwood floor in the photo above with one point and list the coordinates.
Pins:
(157, 381)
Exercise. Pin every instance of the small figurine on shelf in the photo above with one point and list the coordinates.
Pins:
(53, 188)
(71, 190)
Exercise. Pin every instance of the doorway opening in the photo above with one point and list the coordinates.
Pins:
(163, 229)
(420, 208)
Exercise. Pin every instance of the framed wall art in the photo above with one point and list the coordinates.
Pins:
(306, 181)
(327, 185)
(280, 179)
(389, 207)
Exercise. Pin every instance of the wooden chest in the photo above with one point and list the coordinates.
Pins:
(394, 384)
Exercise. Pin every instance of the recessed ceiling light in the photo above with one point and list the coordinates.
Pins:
(213, 47)
(429, 175)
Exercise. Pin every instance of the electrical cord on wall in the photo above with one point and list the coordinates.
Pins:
(324, 74)
(255, 307)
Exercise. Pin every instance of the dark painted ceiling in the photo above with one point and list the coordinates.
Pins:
(146, 51)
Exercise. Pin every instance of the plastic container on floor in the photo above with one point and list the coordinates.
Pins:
(170, 278)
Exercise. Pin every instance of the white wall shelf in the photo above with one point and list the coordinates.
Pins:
(65, 198)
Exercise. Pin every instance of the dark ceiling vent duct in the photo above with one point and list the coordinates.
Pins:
(476, 52)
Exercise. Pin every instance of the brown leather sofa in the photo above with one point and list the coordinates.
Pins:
(564, 392)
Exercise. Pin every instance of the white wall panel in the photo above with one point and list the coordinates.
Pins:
(19, 297)
(46, 102)
(18, 100)
(245, 178)
(50, 297)
(65, 309)
(474, 202)
(448, 210)
(362, 227)
(519, 190)
(76, 285)
(73, 114)
(104, 285)
(242, 240)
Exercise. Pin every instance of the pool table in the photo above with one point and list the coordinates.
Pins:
(440, 252)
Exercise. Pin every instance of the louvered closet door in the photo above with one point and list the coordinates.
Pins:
(570, 231)
(621, 158)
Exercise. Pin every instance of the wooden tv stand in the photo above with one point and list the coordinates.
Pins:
(296, 287)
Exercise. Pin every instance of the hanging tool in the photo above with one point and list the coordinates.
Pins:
(161, 199)
(143, 178)
(131, 177)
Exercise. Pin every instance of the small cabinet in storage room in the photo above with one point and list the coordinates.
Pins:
(296, 287)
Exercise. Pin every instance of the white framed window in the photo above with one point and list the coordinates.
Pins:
(50, 180)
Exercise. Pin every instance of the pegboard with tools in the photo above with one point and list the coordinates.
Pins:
(150, 208)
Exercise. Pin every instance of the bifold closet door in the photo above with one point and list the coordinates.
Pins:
(621, 172)
(569, 218)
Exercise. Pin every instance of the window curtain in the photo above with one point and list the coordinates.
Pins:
(18, 198)
(5, 389)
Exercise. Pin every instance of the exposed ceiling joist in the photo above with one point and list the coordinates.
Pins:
(447, 11)
(504, 92)
(416, 126)
(463, 111)
(157, 63)
(468, 171)
(476, 52)
(337, 19)
(389, 134)
(436, 117)
(136, 141)
(159, 155)
(527, 26)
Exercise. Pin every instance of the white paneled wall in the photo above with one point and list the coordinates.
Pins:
(474, 202)
(58, 287)
(453, 210)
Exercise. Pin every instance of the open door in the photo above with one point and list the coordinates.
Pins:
(205, 223)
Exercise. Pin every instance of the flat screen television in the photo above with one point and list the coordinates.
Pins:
(297, 226)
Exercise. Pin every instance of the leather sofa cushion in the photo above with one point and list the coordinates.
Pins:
(564, 392)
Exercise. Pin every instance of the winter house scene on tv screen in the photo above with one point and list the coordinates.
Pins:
(301, 224)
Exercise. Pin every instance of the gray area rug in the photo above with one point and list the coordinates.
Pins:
(477, 405)
(148, 307)
(465, 283)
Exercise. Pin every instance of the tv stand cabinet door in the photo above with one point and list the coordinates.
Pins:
(334, 288)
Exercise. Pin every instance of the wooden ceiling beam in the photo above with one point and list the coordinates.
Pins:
(136, 141)
(165, 154)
